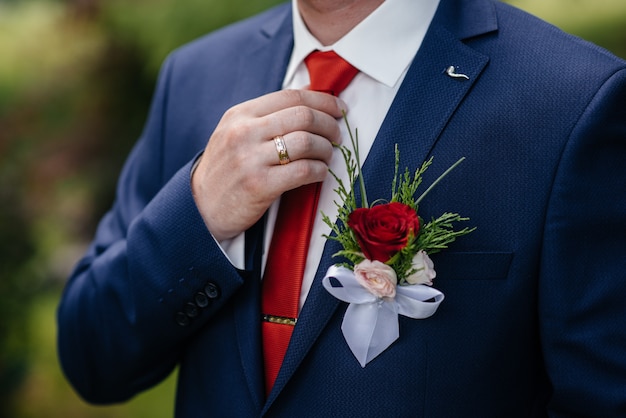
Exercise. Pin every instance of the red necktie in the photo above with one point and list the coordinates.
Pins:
(288, 251)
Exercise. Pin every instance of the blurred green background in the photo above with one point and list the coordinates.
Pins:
(76, 77)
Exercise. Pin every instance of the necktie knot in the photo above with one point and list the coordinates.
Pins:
(329, 72)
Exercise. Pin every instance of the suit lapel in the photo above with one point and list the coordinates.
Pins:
(422, 108)
(261, 70)
(424, 104)
(263, 65)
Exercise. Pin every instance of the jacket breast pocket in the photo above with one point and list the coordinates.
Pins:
(472, 265)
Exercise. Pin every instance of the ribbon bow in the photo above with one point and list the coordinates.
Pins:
(370, 324)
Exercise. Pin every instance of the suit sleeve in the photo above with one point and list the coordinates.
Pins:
(150, 279)
(582, 293)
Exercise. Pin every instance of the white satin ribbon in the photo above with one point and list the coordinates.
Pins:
(370, 324)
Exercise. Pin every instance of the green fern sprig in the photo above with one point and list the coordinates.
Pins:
(432, 236)
(437, 234)
(407, 185)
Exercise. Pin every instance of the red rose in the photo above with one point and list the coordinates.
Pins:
(383, 230)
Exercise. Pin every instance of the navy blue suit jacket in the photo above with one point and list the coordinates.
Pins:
(534, 320)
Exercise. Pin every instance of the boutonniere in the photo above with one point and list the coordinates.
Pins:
(388, 271)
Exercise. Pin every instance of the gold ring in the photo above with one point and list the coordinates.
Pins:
(283, 156)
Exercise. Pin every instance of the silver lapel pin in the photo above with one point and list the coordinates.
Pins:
(451, 72)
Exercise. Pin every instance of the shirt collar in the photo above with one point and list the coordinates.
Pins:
(392, 33)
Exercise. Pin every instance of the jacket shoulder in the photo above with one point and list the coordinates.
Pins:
(547, 43)
(226, 41)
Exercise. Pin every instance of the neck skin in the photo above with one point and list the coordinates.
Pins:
(330, 20)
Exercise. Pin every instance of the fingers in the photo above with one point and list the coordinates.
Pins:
(285, 99)
(308, 155)
(289, 111)
(296, 174)
(299, 146)
(301, 118)
(240, 174)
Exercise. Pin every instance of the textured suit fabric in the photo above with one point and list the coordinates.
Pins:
(532, 323)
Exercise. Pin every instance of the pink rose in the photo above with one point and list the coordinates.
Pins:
(425, 272)
(378, 278)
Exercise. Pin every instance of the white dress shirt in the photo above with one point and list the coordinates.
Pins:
(392, 34)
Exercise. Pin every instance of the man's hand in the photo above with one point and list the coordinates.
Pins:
(239, 175)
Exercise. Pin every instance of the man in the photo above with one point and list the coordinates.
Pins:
(533, 317)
